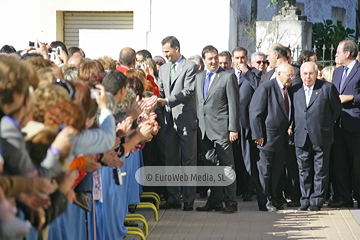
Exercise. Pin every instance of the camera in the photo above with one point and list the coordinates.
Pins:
(93, 93)
(33, 44)
(55, 50)
(138, 65)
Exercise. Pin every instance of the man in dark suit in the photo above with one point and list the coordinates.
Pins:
(176, 84)
(248, 80)
(269, 122)
(347, 128)
(217, 99)
(277, 55)
(316, 106)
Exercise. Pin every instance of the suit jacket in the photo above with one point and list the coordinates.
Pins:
(317, 119)
(180, 94)
(253, 76)
(268, 118)
(219, 112)
(295, 81)
(246, 91)
(350, 114)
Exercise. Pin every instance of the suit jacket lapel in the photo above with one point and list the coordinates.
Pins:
(350, 76)
(280, 97)
(301, 96)
(202, 77)
(178, 71)
(315, 93)
(215, 81)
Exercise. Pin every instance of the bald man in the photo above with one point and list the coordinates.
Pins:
(277, 55)
(269, 123)
(76, 60)
(127, 59)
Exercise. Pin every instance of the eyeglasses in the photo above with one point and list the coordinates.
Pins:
(289, 76)
(264, 62)
(67, 85)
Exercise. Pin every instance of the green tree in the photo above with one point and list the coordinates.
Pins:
(329, 34)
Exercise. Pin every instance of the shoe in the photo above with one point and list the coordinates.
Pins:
(339, 204)
(169, 205)
(303, 208)
(247, 198)
(278, 206)
(188, 206)
(263, 209)
(210, 207)
(230, 208)
(271, 208)
(314, 208)
(293, 204)
(130, 224)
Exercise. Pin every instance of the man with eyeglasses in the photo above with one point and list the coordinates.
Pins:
(258, 61)
(270, 111)
(346, 79)
(316, 106)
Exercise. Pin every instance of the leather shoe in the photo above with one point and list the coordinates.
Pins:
(263, 209)
(271, 208)
(188, 206)
(130, 224)
(210, 207)
(278, 206)
(314, 208)
(293, 204)
(303, 208)
(339, 204)
(169, 205)
(247, 198)
(230, 208)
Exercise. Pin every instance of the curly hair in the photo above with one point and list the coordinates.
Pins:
(66, 113)
(88, 69)
(46, 96)
(48, 75)
(38, 62)
(108, 63)
(15, 77)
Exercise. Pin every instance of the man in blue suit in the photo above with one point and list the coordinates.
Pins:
(269, 122)
(347, 129)
(316, 106)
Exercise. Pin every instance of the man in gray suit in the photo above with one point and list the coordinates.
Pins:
(316, 106)
(176, 84)
(217, 99)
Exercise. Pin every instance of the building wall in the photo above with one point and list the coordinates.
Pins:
(194, 23)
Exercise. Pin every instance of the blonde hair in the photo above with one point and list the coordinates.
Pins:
(48, 75)
(327, 73)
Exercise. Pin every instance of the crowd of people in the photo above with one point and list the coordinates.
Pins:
(289, 131)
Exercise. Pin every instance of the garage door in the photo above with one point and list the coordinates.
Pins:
(81, 28)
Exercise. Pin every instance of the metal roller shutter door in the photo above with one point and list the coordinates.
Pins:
(77, 22)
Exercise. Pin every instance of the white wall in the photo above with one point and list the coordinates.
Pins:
(194, 23)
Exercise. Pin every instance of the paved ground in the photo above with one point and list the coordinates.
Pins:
(249, 223)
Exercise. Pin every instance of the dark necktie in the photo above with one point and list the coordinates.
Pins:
(343, 79)
(239, 76)
(286, 101)
(207, 83)
(172, 72)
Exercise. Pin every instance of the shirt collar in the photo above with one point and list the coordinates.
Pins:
(308, 88)
(281, 86)
(215, 71)
(350, 66)
(177, 61)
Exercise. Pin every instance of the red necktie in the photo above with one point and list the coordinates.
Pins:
(286, 101)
